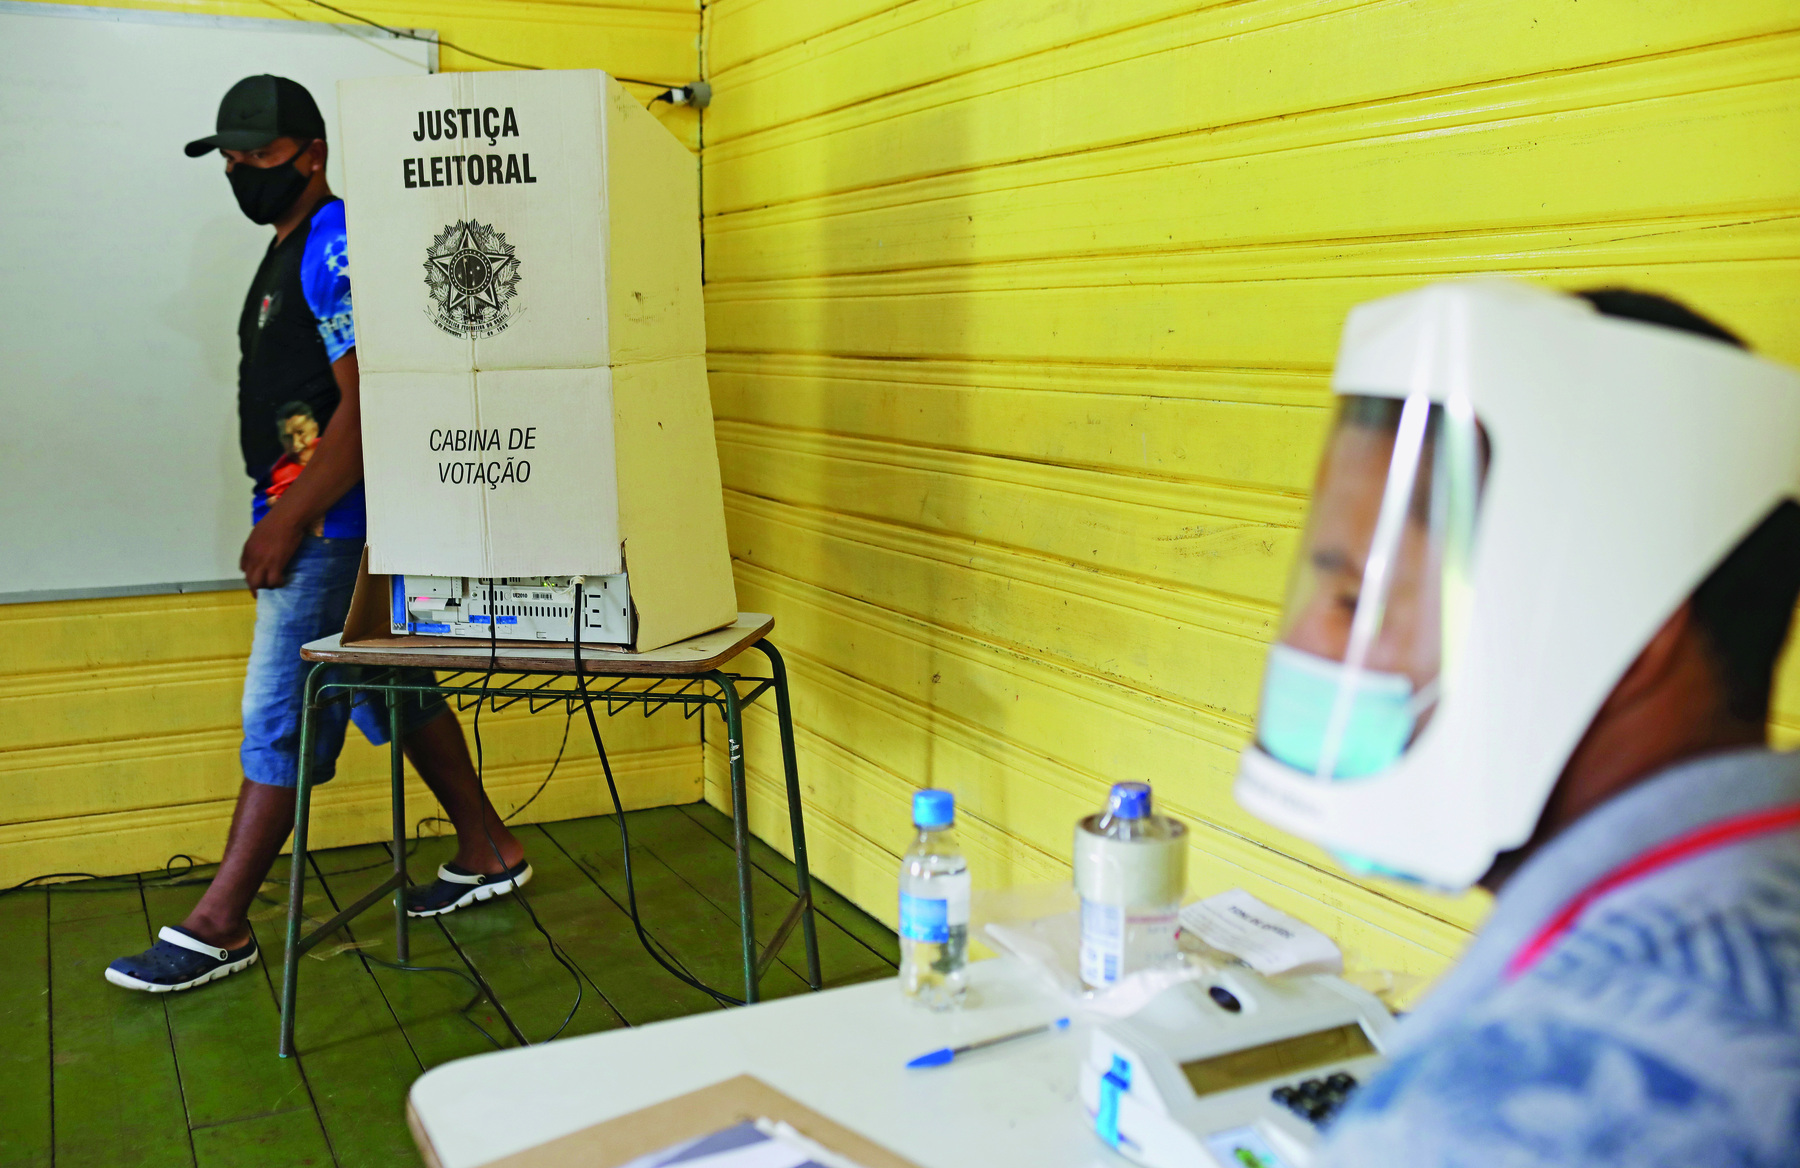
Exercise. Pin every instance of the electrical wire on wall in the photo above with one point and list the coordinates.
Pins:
(697, 94)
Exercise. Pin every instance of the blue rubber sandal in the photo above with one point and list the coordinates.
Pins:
(456, 887)
(179, 961)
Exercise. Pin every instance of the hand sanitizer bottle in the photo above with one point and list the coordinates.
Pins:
(1130, 871)
(934, 906)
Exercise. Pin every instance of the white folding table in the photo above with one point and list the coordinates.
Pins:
(842, 1053)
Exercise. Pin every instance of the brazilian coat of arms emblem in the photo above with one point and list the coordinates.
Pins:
(471, 275)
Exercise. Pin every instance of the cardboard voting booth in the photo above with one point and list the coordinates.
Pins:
(525, 259)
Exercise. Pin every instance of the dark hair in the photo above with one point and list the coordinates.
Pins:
(1744, 607)
(1653, 309)
(294, 409)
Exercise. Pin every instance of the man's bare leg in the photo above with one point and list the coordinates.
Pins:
(442, 759)
(264, 817)
(259, 826)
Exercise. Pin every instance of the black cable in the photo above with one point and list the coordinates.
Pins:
(481, 991)
(82, 881)
(554, 763)
(518, 889)
(442, 43)
(170, 877)
(650, 947)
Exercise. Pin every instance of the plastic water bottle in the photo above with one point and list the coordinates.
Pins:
(934, 906)
(1130, 870)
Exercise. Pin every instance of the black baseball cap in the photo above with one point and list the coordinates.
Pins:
(258, 110)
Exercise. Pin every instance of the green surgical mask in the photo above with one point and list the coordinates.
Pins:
(1300, 693)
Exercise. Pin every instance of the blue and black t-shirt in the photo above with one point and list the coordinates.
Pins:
(296, 322)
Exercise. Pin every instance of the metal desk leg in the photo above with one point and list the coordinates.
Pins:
(784, 715)
(397, 762)
(290, 972)
(740, 828)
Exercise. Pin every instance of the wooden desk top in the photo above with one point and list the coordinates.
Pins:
(701, 654)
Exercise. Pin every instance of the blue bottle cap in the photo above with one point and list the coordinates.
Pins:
(1129, 801)
(933, 808)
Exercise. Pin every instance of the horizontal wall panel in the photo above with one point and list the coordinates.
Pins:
(817, 379)
(901, 47)
(1250, 323)
(141, 771)
(1524, 253)
(748, 30)
(1257, 433)
(1262, 449)
(1221, 97)
(1177, 646)
(75, 636)
(1139, 529)
(1706, 157)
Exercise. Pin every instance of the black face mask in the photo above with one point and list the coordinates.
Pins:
(265, 194)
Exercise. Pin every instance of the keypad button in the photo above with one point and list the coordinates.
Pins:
(1317, 1101)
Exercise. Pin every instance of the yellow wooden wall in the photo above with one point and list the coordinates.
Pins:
(119, 718)
(1021, 314)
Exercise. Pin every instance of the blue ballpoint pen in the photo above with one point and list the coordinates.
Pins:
(944, 1054)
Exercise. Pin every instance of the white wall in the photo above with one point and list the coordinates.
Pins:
(123, 267)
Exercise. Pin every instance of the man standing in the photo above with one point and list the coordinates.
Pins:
(300, 429)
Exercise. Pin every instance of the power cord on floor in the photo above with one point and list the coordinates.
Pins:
(556, 950)
(84, 881)
(651, 947)
(481, 990)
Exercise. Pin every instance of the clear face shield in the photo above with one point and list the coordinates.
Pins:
(1378, 604)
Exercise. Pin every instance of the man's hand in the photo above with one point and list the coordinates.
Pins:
(335, 467)
(271, 545)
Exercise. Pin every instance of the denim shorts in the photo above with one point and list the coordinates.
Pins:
(311, 605)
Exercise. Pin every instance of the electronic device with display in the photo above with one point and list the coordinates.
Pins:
(1236, 1070)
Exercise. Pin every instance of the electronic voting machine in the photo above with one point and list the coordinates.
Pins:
(1235, 1070)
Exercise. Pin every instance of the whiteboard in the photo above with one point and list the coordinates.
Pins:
(123, 268)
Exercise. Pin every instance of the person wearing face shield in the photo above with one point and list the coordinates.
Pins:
(300, 432)
(1551, 562)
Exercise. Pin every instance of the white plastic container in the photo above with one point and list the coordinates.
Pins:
(1130, 872)
(934, 907)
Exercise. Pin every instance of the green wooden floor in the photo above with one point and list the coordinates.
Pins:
(94, 1075)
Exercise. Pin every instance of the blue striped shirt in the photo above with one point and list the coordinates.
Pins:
(1663, 1029)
